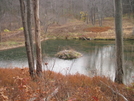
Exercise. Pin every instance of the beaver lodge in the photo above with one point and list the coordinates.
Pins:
(68, 54)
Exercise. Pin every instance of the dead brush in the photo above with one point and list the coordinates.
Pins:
(57, 87)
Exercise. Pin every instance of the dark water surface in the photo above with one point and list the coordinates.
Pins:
(98, 58)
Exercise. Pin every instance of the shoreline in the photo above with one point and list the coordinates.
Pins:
(75, 30)
(11, 47)
(23, 45)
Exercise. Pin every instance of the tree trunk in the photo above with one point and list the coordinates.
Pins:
(26, 35)
(133, 32)
(29, 22)
(93, 15)
(37, 38)
(119, 42)
(0, 35)
(113, 8)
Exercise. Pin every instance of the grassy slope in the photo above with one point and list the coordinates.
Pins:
(16, 85)
(72, 29)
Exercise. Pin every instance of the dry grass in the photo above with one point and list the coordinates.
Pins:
(97, 29)
(73, 29)
(16, 85)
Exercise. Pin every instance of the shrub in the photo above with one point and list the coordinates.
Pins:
(16, 85)
(6, 30)
(21, 28)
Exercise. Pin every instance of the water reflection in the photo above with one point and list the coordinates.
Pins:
(98, 59)
(98, 62)
(13, 63)
(101, 62)
(66, 66)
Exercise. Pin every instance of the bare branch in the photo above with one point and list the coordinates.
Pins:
(51, 95)
(115, 91)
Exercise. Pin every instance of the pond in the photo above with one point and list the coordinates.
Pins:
(98, 58)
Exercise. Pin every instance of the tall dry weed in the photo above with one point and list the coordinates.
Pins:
(16, 85)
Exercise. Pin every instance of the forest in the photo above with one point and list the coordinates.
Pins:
(59, 11)
(98, 29)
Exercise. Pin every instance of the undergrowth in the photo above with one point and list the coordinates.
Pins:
(16, 85)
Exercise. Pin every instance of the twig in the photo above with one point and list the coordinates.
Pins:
(115, 91)
(48, 97)
(32, 99)
(51, 95)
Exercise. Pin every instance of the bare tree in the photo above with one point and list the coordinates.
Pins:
(119, 42)
(133, 32)
(26, 12)
(37, 38)
(58, 9)
(29, 25)
(100, 11)
(27, 39)
(0, 35)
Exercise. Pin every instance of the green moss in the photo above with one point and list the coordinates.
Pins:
(21, 28)
(6, 30)
(9, 43)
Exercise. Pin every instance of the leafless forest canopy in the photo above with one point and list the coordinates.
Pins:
(58, 11)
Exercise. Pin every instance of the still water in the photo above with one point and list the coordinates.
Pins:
(98, 58)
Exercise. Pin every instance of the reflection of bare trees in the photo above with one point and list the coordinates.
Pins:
(101, 61)
(128, 64)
